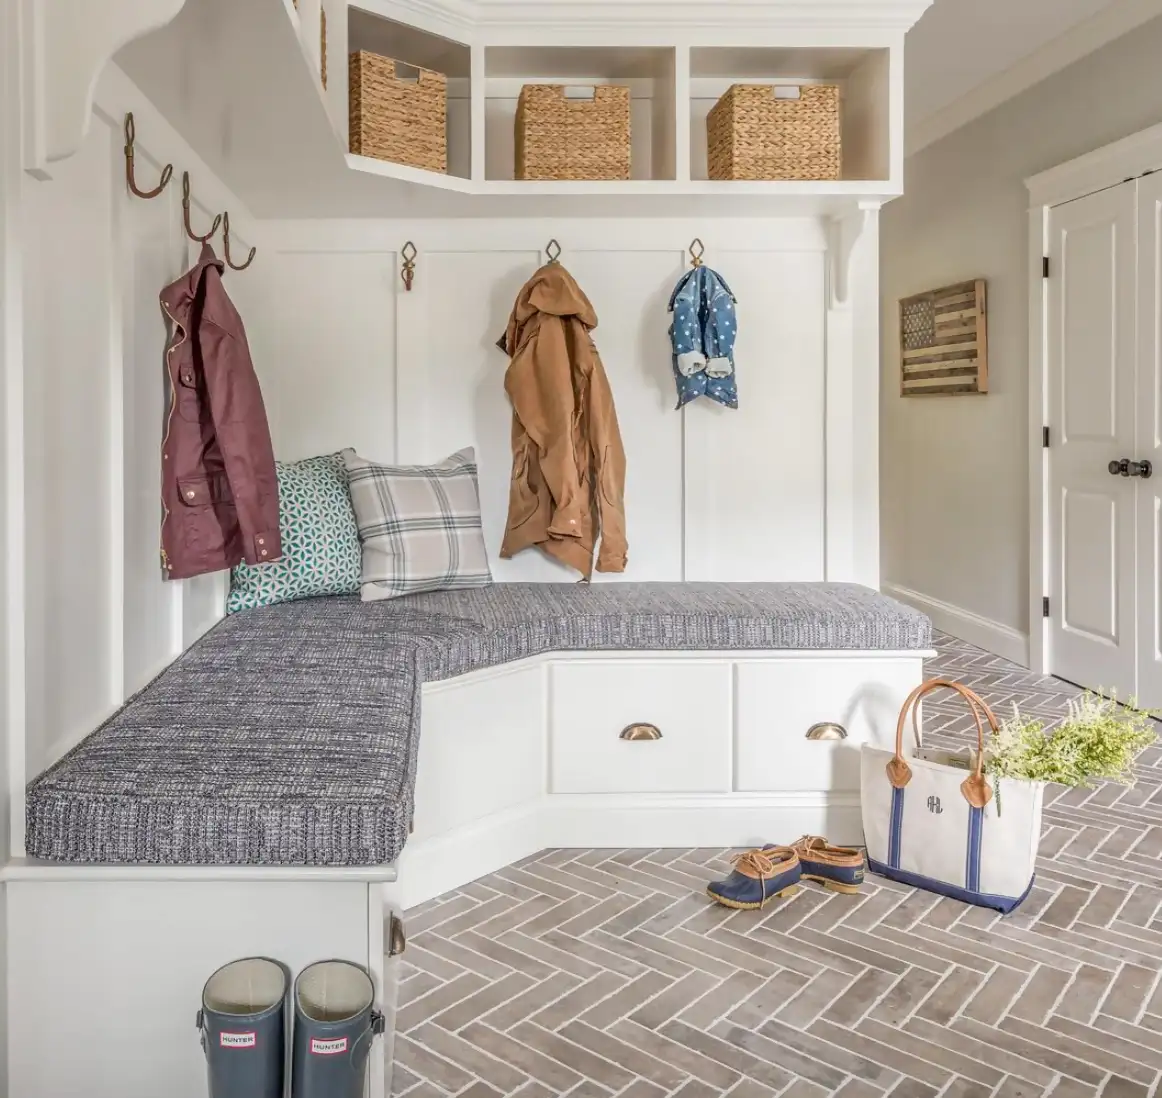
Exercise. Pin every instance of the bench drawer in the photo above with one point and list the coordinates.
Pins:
(688, 702)
(780, 701)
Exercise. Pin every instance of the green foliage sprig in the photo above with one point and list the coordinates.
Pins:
(1098, 741)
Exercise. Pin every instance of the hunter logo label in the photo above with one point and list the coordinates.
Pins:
(237, 1040)
(934, 805)
(328, 1048)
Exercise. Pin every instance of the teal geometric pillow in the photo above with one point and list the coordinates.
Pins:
(320, 541)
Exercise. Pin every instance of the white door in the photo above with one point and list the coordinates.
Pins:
(1092, 316)
(1149, 448)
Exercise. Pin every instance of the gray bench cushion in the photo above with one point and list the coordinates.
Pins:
(288, 735)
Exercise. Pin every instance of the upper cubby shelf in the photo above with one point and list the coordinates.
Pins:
(259, 110)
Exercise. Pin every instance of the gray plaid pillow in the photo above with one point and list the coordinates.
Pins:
(419, 526)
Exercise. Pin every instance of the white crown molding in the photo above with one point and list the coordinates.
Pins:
(460, 18)
(1119, 18)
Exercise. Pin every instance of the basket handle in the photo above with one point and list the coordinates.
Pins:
(422, 76)
(975, 787)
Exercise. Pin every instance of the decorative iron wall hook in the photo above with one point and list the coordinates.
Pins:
(130, 177)
(226, 246)
(186, 213)
(553, 251)
(697, 251)
(408, 269)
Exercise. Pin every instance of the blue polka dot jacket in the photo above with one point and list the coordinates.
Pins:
(703, 332)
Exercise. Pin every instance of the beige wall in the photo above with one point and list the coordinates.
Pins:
(954, 470)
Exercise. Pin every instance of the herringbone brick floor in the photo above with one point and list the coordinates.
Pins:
(607, 972)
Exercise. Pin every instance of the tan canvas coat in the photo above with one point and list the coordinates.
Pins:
(568, 464)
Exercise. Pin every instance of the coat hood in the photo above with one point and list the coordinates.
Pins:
(553, 291)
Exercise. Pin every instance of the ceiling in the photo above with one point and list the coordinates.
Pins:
(961, 45)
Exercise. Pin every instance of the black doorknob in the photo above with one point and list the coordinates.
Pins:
(1128, 468)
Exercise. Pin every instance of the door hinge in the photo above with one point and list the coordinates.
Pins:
(1045, 437)
(1045, 607)
(1045, 266)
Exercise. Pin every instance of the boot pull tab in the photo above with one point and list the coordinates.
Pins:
(378, 1023)
(199, 1021)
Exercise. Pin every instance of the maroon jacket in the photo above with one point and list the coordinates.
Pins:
(219, 490)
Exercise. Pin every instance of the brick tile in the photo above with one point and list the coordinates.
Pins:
(780, 1055)
(713, 1005)
(1127, 994)
(533, 1061)
(878, 1052)
(904, 996)
(713, 1048)
(1085, 992)
(469, 1056)
(676, 1051)
(581, 1060)
(675, 999)
(1039, 995)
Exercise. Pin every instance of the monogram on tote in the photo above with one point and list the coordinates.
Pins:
(938, 826)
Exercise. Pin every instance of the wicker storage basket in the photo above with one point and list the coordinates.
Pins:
(560, 138)
(405, 121)
(752, 133)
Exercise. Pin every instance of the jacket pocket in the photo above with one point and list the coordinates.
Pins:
(205, 491)
(189, 404)
(208, 518)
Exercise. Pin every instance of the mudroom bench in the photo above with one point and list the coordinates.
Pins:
(307, 770)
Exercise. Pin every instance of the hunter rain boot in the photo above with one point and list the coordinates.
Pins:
(243, 1027)
(335, 1025)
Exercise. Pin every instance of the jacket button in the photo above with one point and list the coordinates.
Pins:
(261, 542)
(263, 553)
(190, 495)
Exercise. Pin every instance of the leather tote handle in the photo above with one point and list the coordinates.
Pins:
(975, 788)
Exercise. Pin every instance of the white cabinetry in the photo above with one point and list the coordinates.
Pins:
(529, 756)
(593, 703)
(779, 701)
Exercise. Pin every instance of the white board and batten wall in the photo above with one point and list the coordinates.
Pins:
(711, 494)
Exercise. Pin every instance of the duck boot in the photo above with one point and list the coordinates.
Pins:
(839, 868)
(243, 1026)
(335, 1025)
(759, 876)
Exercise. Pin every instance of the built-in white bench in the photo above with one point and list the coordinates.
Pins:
(259, 795)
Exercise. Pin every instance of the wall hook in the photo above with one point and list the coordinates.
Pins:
(408, 269)
(553, 251)
(186, 213)
(130, 178)
(226, 246)
(697, 251)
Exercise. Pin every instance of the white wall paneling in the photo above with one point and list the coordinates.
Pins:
(100, 621)
(784, 488)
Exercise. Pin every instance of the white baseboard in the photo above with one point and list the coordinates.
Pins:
(579, 821)
(993, 637)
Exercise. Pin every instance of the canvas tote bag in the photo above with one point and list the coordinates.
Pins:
(938, 826)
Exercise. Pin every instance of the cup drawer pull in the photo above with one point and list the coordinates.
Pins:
(827, 730)
(641, 732)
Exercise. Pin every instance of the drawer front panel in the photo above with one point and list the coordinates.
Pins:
(482, 748)
(779, 702)
(688, 702)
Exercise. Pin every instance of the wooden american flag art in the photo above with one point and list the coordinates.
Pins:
(944, 341)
